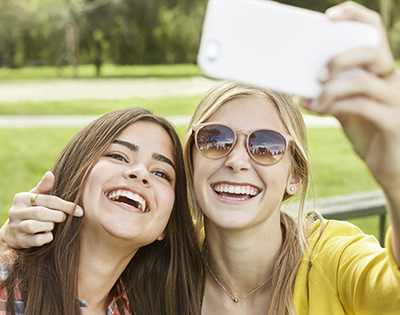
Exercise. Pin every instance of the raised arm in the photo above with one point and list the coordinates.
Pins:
(33, 214)
(367, 104)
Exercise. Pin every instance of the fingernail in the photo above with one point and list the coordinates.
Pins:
(305, 103)
(324, 75)
(314, 104)
(78, 211)
(334, 13)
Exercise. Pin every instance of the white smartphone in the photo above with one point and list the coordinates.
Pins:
(271, 45)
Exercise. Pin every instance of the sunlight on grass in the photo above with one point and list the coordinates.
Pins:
(165, 106)
(107, 71)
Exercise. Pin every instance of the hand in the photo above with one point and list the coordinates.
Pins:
(366, 101)
(30, 226)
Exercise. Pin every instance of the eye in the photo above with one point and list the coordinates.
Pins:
(162, 175)
(117, 156)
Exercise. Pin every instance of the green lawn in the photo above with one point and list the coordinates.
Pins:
(107, 71)
(26, 154)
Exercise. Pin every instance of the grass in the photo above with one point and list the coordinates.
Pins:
(337, 170)
(107, 71)
(27, 153)
(165, 106)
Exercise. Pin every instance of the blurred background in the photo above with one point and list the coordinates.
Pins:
(64, 62)
(123, 32)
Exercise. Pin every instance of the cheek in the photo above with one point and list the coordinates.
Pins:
(92, 188)
(166, 200)
(203, 167)
(199, 176)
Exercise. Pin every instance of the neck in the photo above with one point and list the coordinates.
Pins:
(100, 265)
(243, 259)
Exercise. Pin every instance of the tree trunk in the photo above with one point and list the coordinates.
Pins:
(73, 45)
(385, 8)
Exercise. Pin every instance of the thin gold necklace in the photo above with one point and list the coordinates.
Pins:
(236, 300)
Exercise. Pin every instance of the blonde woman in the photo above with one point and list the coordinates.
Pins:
(246, 152)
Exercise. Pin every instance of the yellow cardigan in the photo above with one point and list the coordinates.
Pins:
(350, 274)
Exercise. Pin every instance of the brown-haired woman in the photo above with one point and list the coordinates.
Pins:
(134, 251)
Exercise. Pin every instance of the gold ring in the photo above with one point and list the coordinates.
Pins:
(33, 200)
(389, 73)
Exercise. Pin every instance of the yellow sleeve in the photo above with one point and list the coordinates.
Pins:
(365, 275)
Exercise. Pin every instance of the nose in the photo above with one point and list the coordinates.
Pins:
(138, 172)
(239, 159)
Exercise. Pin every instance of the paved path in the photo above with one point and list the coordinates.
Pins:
(78, 121)
(104, 89)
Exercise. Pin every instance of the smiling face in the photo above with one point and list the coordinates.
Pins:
(129, 193)
(235, 192)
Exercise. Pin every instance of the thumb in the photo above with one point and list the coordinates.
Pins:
(45, 184)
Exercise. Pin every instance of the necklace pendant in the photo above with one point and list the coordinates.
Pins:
(235, 300)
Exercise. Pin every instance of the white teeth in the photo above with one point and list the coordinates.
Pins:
(116, 194)
(237, 190)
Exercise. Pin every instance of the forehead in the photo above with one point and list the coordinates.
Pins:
(148, 136)
(249, 113)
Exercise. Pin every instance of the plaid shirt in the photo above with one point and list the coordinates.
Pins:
(19, 305)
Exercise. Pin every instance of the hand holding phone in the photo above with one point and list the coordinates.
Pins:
(275, 46)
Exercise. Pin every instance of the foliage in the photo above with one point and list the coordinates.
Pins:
(52, 32)
(118, 31)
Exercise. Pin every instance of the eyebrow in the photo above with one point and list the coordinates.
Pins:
(155, 156)
(163, 158)
(129, 145)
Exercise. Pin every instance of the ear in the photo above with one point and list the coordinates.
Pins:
(294, 183)
(161, 237)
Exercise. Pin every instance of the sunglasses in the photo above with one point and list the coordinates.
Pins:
(266, 147)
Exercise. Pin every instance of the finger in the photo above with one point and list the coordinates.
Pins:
(33, 227)
(357, 83)
(305, 103)
(56, 203)
(371, 59)
(34, 240)
(40, 214)
(45, 184)
(353, 11)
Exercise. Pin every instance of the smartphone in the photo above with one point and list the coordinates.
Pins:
(271, 45)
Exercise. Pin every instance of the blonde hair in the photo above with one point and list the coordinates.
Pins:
(294, 240)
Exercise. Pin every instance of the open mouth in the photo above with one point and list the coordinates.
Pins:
(236, 192)
(129, 198)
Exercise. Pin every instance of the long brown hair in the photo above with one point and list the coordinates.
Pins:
(294, 241)
(162, 278)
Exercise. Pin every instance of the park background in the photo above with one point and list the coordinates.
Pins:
(46, 43)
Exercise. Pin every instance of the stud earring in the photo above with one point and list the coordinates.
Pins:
(292, 189)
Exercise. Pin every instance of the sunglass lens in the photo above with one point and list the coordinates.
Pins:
(215, 141)
(266, 146)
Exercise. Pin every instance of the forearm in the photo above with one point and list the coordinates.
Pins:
(393, 206)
